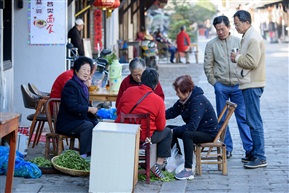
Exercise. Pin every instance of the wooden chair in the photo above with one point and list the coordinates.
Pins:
(37, 92)
(144, 160)
(53, 137)
(38, 118)
(219, 157)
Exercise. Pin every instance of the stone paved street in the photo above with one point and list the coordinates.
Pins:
(274, 109)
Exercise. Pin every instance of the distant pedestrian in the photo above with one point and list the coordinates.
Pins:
(75, 35)
(200, 120)
(251, 71)
(183, 44)
(221, 73)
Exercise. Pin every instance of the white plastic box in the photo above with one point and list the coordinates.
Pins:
(114, 157)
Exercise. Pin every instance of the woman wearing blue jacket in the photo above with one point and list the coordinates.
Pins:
(199, 116)
(76, 116)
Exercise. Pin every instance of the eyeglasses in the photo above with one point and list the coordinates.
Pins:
(136, 75)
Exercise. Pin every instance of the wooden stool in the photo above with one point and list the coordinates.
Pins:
(57, 143)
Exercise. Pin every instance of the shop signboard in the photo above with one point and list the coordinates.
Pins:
(47, 21)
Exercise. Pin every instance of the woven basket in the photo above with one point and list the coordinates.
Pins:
(71, 172)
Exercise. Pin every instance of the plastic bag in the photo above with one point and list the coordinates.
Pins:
(4, 154)
(107, 113)
(22, 168)
(175, 160)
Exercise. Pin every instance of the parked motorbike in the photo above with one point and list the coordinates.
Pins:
(149, 51)
(101, 74)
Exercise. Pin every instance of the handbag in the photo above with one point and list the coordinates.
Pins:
(140, 100)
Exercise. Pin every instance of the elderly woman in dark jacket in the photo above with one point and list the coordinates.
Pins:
(199, 116)
(76, 116)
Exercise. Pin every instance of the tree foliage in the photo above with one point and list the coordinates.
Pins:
(183, 13)
(203, 10)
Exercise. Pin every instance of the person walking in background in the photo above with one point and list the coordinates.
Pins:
(251, 72)
(75, 35)
(136, 68)
(221, 73)
(155, 106)
(200, 120)
(208, 28)
(183, 44)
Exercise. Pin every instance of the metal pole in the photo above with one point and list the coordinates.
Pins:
(1, 62)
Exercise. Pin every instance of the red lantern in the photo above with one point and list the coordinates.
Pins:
(103, 4)
(116, 4)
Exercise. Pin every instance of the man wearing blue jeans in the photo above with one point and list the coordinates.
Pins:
(220, 72)
(251, 72)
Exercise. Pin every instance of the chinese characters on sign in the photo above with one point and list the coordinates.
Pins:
(47, 21)
(97, 46)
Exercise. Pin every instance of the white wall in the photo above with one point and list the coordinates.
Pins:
(36, 64)
(112, 29)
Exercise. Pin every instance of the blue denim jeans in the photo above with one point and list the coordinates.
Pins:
(172, 50)
(254, 120)
(234, 94)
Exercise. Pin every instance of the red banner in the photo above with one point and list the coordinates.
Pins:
(97, 20)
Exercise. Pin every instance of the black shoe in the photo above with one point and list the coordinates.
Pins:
(229, 154)
(171, 61)
(257, 163)
(180, 62)
(248, 158)
(187, 62)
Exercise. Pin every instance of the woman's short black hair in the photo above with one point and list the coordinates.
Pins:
(221, 19)
(150, 78)
(243, 16)
(80, 61)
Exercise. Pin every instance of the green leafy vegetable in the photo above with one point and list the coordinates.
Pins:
(41, 162)
(110, 58)
(72, 160)
(168, 177)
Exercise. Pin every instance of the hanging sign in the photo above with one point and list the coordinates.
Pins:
(97, 21)
(47, 22)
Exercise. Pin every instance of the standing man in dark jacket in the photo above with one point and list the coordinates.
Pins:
(75, 35)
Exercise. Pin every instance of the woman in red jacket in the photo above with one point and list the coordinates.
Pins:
(183, 43)
(136, 68)
(155, 106)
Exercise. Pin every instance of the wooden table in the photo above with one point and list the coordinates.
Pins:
(102, 95)
(9, 127)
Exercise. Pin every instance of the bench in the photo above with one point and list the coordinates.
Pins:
(193, 49)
